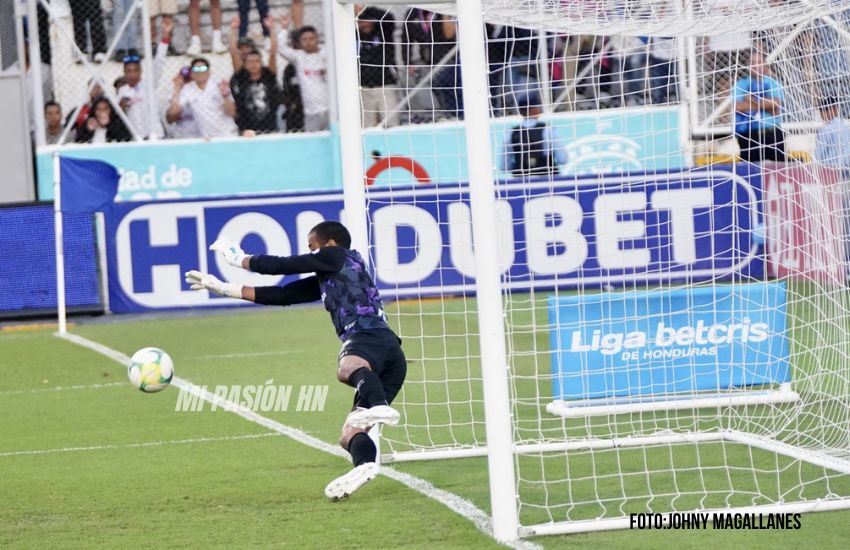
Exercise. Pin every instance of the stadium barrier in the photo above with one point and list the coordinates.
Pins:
(624, 230)
(596, 142)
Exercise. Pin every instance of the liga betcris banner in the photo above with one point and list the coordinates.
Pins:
(664, 343)
(591, 232)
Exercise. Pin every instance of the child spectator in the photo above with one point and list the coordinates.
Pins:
(103, 126)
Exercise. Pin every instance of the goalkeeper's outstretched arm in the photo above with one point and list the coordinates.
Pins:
(296, 292)
(329, 259)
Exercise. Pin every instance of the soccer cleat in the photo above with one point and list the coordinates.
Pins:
(379, 414)
(346, 484)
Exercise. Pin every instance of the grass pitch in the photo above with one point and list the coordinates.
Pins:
(98, 464)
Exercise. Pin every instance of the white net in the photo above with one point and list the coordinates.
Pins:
(676, 319)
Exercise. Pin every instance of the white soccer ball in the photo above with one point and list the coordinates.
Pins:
(150, 370)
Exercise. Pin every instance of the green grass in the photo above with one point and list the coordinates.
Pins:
(239, 488)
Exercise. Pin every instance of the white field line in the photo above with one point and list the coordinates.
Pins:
(65, 388)
(250, 354)
(138, 445)
(453, 502)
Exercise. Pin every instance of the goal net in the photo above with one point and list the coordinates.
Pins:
(669, 191)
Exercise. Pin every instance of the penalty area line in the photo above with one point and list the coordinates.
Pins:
(138, 445)
(65, 388)
(453, 502)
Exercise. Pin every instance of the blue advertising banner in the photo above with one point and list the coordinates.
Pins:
(619, 229)
(613, 140)
(663, 342)
(28, 261)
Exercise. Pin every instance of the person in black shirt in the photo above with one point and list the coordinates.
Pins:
(435, 36)
(257, 96)
(371, 359)
(255, 89)
(377, 67)
(532, 148)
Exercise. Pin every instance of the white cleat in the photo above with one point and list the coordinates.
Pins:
(344, 485)
(365, 418)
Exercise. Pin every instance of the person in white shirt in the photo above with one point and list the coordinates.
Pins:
(832, 143)
(185, 126)
(211, 104)
(132, 96)
(311, 68)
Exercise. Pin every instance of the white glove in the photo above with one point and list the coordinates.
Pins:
(200, 281)
(230, 251)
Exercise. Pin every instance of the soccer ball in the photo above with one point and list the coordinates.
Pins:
(150, 370)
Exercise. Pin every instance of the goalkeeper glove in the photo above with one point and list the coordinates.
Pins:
(200, 281)
(230, 251)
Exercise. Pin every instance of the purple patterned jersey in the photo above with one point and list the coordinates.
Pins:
(352, 299)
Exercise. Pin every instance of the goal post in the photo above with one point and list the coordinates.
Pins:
(629, 327)
(484, 225)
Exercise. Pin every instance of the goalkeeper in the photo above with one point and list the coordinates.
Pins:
(371, 359)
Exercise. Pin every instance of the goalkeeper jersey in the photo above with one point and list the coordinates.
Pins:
(342, 282)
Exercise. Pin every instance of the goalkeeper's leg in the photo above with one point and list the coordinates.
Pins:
(371, 406)
(363, 454)
(371, 402)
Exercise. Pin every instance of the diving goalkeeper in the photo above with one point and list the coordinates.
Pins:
(371, 359)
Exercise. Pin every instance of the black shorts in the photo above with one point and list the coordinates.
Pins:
(382, 350)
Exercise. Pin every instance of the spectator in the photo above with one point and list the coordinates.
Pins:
(244, 13)
(165, 8)
(378, 79)
(832, 143)
(239, 46)
(103, 126)
(195, 26)
(498, 58)
(126, 44)
(53, 123)
(532, 148)
(88, 23)
(45, 72)
(256, 93)
(212, 105)
(627, 58)
(294, 116)
(758, 105)
(297, 13)
(662, 69)
(184, 126)
(434, 34)
(311, 69)
(87, 109)
(416, 58)
(133, 95)
(118, 82)
(515, 50)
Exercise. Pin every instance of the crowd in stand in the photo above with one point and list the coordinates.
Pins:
(409, 73)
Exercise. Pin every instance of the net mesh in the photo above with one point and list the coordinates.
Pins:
(639, 276)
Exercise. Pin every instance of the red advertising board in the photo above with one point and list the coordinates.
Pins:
(805, 222)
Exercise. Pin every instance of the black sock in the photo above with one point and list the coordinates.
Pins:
(369, 387)
(362, 449)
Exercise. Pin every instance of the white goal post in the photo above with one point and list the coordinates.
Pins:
(628, 334)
